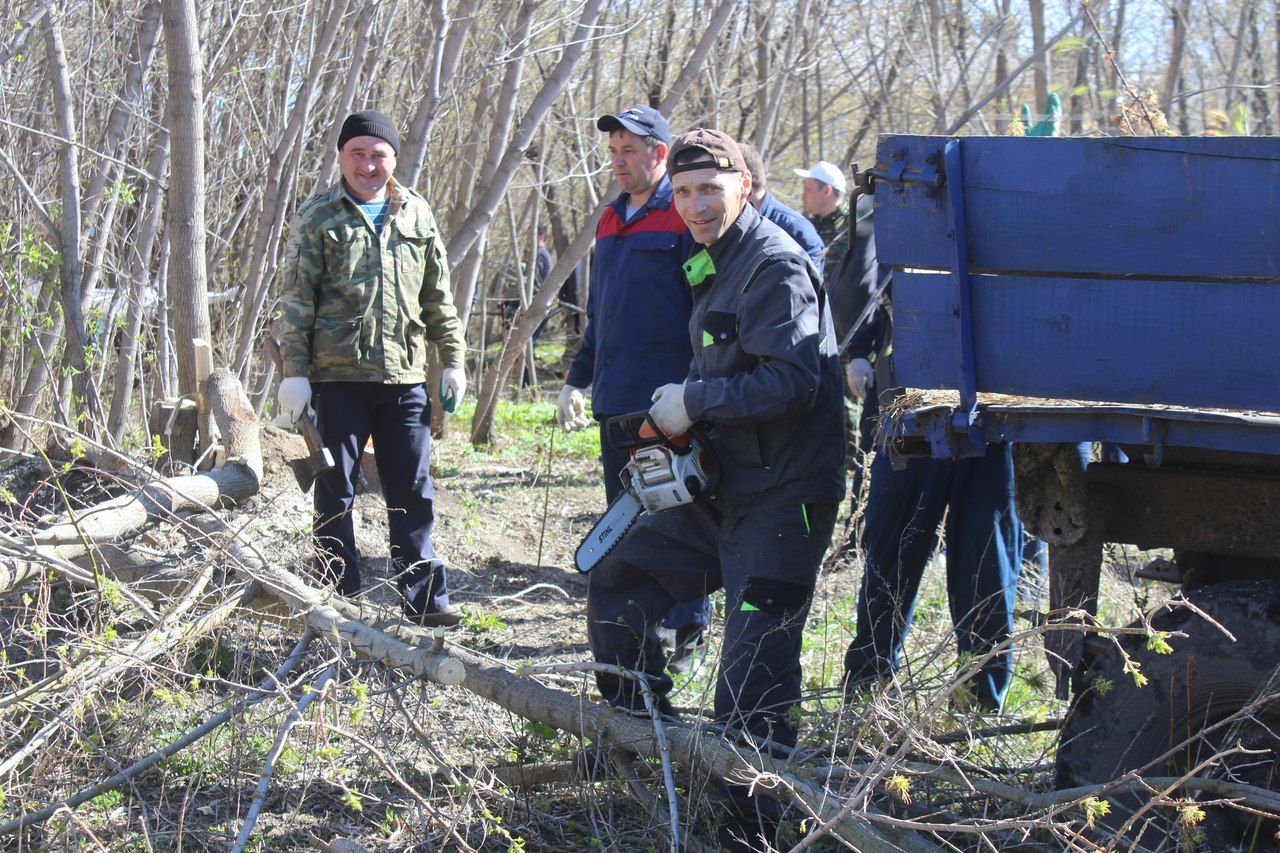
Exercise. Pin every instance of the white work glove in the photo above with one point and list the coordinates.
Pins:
(668, 410)
(293, 396)
(453, 387)
(571, 409)
(861, 377)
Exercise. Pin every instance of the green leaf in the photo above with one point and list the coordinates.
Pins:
(1068, 44)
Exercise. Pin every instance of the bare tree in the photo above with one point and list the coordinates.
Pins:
(184, 208)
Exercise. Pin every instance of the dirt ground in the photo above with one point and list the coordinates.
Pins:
(506, 529)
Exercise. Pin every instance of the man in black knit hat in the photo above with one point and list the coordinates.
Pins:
(364, 294)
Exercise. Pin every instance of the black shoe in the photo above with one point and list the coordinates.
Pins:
(446, 617)
(688, 650)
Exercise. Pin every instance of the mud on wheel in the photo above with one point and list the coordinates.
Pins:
(1115, 726)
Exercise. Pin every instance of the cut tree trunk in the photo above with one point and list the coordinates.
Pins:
(184, 210)
(163, 499)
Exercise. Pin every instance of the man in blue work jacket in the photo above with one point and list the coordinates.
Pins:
(765, 380)
(637, 314)
(900, 527)
(797, 227)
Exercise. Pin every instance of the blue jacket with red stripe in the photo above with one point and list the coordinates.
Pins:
(638, 311)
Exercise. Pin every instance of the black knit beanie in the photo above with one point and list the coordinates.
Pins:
(369, 123)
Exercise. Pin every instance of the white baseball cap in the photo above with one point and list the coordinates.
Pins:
(827, 173)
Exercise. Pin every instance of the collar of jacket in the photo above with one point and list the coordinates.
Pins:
(767, 204)
(835, 217)
(396, 193)
(660, 199)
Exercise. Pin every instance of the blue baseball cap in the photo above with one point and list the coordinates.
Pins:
(640, 120)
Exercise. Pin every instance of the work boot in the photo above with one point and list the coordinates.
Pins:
(688, 649)
(446, 617)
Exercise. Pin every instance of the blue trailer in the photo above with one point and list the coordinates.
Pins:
(1052, 292)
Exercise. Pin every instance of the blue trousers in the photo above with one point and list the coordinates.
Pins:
(686, 614)
(984, 546)
(766, 561)
(398, 417)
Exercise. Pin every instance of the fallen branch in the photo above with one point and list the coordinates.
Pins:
(321, 613)
(269, 767)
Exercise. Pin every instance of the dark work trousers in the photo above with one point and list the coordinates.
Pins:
(686, 614)
(398, 417)
(766, 561)
(984, 549)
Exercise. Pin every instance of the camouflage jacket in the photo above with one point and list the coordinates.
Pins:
(360, 306)
(834, 231)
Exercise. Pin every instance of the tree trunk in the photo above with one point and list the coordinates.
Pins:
(1078, 92)
(185, 214)
(277, 195)
(1177, 47)
(70, 269)
(526, 322)
(450, 36)
(1237, 50)
(1117, 39)
(130, 103)
(1041, 67)
(1261, 104)
(481, 214)
(780, 93)
(38, 367)
(505, 112)
(139, 273)
(348, 97)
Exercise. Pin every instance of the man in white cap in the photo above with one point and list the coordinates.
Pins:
(823, 191)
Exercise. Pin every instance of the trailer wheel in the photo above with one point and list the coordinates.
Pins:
(1114, 726)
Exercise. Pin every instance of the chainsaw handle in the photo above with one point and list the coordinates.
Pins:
(638, 429)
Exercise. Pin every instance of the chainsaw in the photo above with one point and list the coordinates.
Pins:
(663, 472)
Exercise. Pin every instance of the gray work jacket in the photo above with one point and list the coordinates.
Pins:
(765, 371)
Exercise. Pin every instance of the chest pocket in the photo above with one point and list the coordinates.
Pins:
(344, 249)
(719, 327)
(411, 255)
(349, 276)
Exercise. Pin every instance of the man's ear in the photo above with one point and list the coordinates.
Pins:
(662, 150)
(746, 183)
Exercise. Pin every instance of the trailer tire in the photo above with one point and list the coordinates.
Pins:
(1114, 726)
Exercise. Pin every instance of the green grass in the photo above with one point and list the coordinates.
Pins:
(525, 428)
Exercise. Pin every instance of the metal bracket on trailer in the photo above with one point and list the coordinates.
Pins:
(966, 421)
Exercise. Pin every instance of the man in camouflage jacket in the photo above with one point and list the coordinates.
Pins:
(365, 291)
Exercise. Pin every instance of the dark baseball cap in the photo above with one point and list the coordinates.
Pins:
(720, 152)
(640, 120)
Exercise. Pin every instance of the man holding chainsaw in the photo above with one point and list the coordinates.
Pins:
(365, 292)
(637, 314)
(765, 385)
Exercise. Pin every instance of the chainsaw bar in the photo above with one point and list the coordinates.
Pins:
(608, 531)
